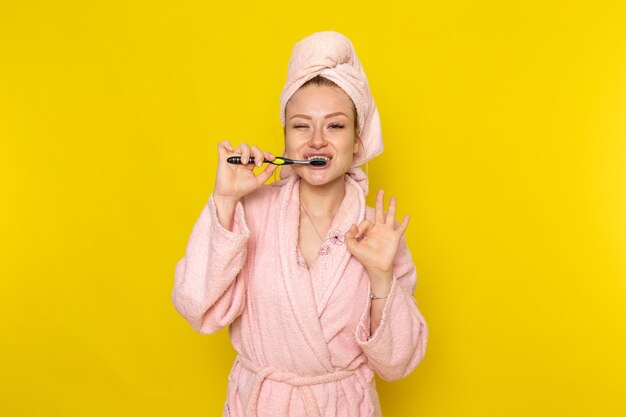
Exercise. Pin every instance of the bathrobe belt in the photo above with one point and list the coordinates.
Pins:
(303, 383)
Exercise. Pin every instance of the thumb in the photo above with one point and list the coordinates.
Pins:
(350, 235)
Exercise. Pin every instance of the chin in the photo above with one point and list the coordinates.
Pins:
(320, 180)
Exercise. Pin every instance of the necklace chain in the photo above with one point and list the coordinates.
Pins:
(311, 220)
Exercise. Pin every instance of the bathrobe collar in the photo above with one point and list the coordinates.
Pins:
(307, 300)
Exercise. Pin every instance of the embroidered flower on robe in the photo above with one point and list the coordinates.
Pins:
(337, 238)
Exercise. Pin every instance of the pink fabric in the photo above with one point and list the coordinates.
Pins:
(331, 55)
(302, 334)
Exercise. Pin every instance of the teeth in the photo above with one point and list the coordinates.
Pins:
(325, 158)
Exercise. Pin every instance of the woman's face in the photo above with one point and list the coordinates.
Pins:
(319, 121)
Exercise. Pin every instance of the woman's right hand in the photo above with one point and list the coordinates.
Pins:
(233, 181)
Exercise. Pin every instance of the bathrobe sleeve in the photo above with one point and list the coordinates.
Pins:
(209, 290)
(399, 343)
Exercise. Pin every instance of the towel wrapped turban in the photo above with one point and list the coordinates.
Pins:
(331, 55)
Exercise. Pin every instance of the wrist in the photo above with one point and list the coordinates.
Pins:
(225, 201)
(225, 207)
(378, 276)
(380, 286)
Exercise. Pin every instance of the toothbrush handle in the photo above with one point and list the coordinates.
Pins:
(278, 161)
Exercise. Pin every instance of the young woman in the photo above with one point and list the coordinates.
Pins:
(317, 288)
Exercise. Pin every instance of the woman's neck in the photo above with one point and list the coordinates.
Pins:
(325, 200)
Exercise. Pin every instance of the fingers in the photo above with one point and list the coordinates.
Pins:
(224, 147)
(350, 235)
(258, 155)
(356, 233)
(379, 210)
(362, 229)
(269, 156)
(391, 212)
(389, 218)
(225, 144)
(266, 173)
(244, 150)
(405, 222)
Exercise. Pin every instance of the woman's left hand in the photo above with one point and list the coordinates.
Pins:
(375, 244)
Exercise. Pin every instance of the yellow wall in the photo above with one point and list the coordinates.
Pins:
(505, 138)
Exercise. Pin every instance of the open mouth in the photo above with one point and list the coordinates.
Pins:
(314, 157)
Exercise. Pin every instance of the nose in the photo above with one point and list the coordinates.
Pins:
(317, 139)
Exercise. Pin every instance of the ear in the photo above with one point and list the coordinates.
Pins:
(357, 142)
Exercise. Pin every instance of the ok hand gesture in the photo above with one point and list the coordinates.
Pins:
(375, 244)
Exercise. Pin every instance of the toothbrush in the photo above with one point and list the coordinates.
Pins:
(316, 162)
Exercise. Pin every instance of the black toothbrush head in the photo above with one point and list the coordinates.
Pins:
(317, 162)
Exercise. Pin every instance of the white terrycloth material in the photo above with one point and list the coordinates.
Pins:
(332, 56)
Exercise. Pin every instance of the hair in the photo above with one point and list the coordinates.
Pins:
(321, 81)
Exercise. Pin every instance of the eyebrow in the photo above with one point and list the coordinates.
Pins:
(325, 117)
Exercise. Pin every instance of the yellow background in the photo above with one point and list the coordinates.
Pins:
(505, 139)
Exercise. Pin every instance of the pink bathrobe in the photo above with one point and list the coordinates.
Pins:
(302, 335)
